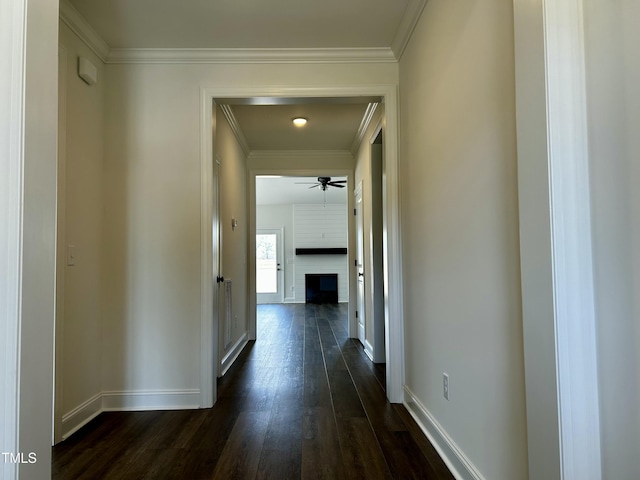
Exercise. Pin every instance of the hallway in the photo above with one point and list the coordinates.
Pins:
(301, 402)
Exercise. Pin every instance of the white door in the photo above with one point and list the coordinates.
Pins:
(218, 291)
(269, 268)
(360, 316)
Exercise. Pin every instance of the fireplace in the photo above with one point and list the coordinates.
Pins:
(321, 287)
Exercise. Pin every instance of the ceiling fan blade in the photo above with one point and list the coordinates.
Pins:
(339, 181)
(333, 184)
(316, 185)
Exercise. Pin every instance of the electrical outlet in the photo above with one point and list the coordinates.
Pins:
(445, 385)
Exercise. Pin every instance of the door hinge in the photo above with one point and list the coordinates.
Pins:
(354, 211)
(356, 313)
(355, 262)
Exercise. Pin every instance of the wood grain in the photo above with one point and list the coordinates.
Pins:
(303, 401)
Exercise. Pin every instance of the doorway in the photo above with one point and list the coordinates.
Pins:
(293, 165)
(377, 249)
(359, 264)
(269, 266)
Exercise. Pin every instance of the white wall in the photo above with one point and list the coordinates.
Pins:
(277, 216)
(460, 231)
(320, 226)
(613, 89)
(151, 232)
(80, 224)
(281, 216)
(151, 226)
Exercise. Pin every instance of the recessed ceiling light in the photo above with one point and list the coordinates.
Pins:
(299, 121)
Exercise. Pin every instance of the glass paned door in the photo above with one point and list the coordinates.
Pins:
(269, 271)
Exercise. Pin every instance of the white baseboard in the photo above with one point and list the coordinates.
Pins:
(233, 353)
(461, 467)
(368, 349)
(290, 300)
(133, 400)
(81, 415)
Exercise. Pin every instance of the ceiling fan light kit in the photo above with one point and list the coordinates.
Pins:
(325, 182)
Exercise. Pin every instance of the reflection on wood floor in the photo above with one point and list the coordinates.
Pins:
(303, 401)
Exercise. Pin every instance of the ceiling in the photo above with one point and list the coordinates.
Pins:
(329, 127)
(263, 24)
(262, 31)
(295, 190)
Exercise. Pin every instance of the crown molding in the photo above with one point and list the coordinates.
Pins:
(412, 14)
(235, 127)
(79, 25)
(251, 55)
(83, 29)
(300, 153)
(364, 125)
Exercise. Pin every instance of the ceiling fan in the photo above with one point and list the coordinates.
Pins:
(325, 182)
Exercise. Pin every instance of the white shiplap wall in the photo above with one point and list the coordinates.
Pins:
(323, 226)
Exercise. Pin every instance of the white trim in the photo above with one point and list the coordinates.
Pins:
(394, 331)
(208, 294)
(235, 128)
(128, 400)
(251, 55)
(410, 18)
(79, 25)
(233, 353)
(81, 415)
(354, 326)
(571, 236)
(555, 242)
(257, 154)
(137, 400)
(12, 159)
(58, 427)
(362, 129)
(394, 320)
(368, 349)
(461, 467)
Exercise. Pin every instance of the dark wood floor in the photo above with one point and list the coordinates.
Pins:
(302, 402)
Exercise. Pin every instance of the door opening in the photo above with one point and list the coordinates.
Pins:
(377, 250)
(269, 266)
(359, 263)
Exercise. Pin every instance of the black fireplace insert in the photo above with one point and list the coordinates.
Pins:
(321, 287)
